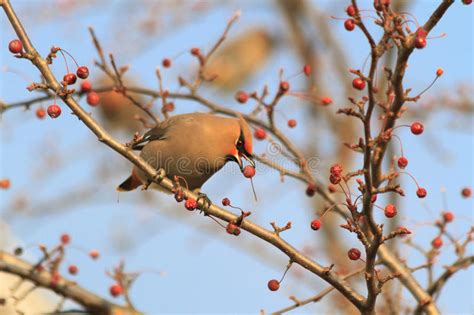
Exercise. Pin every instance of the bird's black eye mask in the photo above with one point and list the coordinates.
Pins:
(240, 145)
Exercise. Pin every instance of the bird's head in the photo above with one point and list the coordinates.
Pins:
(242, 147)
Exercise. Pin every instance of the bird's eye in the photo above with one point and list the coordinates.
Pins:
(240, 143)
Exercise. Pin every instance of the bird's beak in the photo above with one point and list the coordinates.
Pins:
(248, 159)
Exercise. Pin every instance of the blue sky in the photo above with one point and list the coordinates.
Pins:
(193, 267)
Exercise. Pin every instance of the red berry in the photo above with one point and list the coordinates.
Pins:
(351, 11)
(402, 162)
(335, 179)
(40, 113)
(310, 190)
(332, 189)
(94, 254)
(169, 107)
(336, 169)
(115, 290)
(260, 133)
(292, 123)
(195, 51)
(166, 62)
(378, 4)
(82, 72)
(316, 224)
(466, 2)
(15, 46)
(284, 86)
(86, 86)
(233, 229)
(93, 98)
(190, 204)
(358, 84)
(326, 100)
(420, 42)
(437, 242)
(421, 32)
(241, 97)
(54, 111)
(349, 25)
(417, 128)
(273, 285)
(70, 78)
(439, 72)
(307, 70)
(466, 192)
(390, 211)
(421, 192)
(249, 171)
(73, 269)
(65, 238)
(448, 216)
(353, 254)
(179, 195)
(225, 201)
(4, 183)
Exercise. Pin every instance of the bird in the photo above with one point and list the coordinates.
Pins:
(192, 147)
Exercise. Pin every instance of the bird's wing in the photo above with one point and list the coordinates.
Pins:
(161, 131)
(156, 133)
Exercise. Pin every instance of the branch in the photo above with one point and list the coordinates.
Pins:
(318, 296)
(90, 301)
(159, 178)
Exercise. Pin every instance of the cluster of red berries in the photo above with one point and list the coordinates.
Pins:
(336, 174)
(231, 227)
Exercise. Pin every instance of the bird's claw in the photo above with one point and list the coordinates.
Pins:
(203, 201)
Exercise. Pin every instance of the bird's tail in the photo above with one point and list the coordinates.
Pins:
(130, 183)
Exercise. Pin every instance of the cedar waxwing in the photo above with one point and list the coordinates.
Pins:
(192, 146)
(117, 111)
(240, 58)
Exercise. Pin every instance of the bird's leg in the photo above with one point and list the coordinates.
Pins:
(204, 201)
(147, 184)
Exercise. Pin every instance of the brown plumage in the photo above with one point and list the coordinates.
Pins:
(193, 146)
